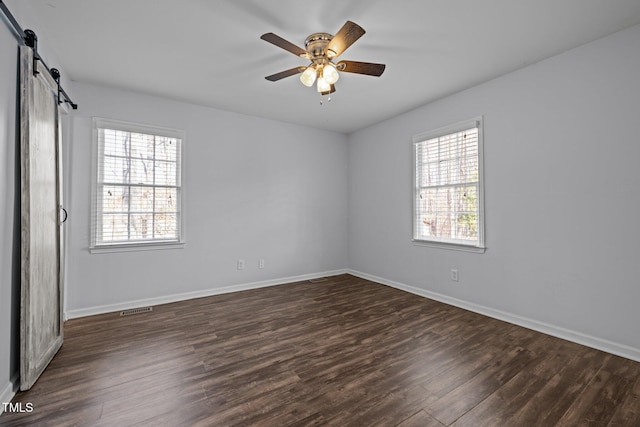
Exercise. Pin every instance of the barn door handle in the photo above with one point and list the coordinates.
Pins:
(66, 215)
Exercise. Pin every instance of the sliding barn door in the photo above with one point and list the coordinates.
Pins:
(41, 290)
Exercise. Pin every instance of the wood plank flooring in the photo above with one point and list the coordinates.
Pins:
(344, 352)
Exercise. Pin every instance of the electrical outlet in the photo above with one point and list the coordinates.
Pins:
(454, 275)
(261, 263)
(240, 264)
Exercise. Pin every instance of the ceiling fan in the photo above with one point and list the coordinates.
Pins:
(321, 49)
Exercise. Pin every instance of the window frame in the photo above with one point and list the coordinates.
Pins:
(97, 151)
(474, 246)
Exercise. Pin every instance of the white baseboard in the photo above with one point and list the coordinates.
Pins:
(556, 331)
(83, 312)
(9, 391)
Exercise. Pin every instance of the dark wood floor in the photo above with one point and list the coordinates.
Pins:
(345, 352)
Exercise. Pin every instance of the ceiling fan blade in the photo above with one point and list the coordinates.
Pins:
(368, 68)
(284, 44)
(345, 37)
(286, 73)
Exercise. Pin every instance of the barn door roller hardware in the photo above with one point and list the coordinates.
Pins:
(29, 38)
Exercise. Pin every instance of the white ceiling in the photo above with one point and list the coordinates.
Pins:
(210, 53)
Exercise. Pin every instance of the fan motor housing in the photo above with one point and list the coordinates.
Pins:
(316, 44)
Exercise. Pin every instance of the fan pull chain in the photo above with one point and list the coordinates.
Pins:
(322, 99)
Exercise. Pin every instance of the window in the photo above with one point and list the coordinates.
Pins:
(448, 191)
(137, 192)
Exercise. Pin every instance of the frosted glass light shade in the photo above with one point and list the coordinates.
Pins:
(330, 74)
(323, 85)
(308, 76)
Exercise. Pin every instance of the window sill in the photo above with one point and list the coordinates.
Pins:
(136, 247)
(450, 246)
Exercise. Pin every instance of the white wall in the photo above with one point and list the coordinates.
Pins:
(562, 143)
(255, 188)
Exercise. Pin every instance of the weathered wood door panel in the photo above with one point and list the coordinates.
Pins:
(41, 290)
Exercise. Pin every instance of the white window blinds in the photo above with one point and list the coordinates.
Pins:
(138, 186)
(448, 186)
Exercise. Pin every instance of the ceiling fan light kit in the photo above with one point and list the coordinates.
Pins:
(321, 49)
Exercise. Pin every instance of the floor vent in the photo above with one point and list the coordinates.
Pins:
(136, 311)
(319, 280)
